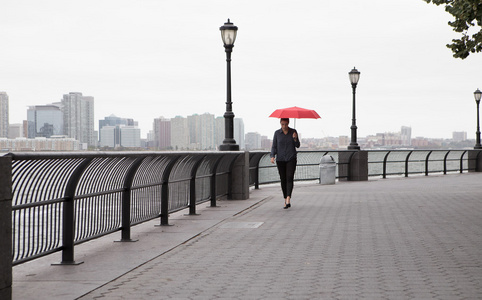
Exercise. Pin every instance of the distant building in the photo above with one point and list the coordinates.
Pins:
(343, 141)
(4, 122)
(15, 131)
(107, 136)
(40, 144)
(113, 120)
(420, 142)
(120, 136)
(116, 122)
(389, 139)
(162, 133)
(25, 128)
(239, 132)
(78, 114)
(44, 121)
(220, 128)
(207, 132)
(406, 136)
(130, 137)
(201, 132)
(179, 133)
(459, 136)
(150, 142)
(252, 141)
(265, 143)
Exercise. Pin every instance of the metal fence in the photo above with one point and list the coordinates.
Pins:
(262, 171)
(381, 163)
(63, 199)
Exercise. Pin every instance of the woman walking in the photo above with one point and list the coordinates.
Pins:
(285, 142)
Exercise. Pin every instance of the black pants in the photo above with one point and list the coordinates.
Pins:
(286, 170)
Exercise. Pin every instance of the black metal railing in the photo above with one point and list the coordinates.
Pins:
(262, 171)
(409, 162)
(381, 163)
(62, 199)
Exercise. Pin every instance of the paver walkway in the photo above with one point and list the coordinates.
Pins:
(403, 238)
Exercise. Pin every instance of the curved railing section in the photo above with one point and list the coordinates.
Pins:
(63, 199)
(381, 163)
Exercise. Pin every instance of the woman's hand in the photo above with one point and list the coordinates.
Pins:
(295, 135)
(272, 160)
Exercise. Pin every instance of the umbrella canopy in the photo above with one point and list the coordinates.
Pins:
(295, 112)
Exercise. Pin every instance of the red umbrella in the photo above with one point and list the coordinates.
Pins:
(295, 112)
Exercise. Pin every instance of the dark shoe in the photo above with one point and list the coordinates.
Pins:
(287, 206)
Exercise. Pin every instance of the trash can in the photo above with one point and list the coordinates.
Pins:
(327, 170)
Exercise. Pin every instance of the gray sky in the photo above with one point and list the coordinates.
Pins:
(145, 59)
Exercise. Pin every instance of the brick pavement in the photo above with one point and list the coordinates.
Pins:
(403, 238)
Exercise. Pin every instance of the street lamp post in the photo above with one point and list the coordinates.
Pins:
(228, 33)
(354, 77)
(477, 96)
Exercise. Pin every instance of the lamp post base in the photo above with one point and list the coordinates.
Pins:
(353, 147)
(229, 147)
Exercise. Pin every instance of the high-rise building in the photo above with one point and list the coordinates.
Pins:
(179, 133)
(207, 132)
(239, 132)
(194, 125)
(130, 136)
(78, 113)
(220, 134)
(4, 114)
(113, 121)
(107, 136)
(162, 133)
(406, 135)
(44, 121)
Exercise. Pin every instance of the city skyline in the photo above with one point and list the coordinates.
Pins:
(197, 132)
(112, 120)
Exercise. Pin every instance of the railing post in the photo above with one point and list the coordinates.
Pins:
(475, 161)
(406, 163)
(192, 186)
(462, 162)
(255, 162)
(426, 162)
(213, 180)
(126, 200)
(353, 166)
(6, 228)
(68, 215)
(445, 162)
(165, 191)
(239, 177)
(385, 164)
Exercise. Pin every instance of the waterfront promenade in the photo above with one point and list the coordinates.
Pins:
(397, 238)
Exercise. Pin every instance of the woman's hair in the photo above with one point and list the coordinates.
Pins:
(284, 119)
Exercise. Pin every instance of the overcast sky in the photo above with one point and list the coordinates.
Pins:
(145, 59)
